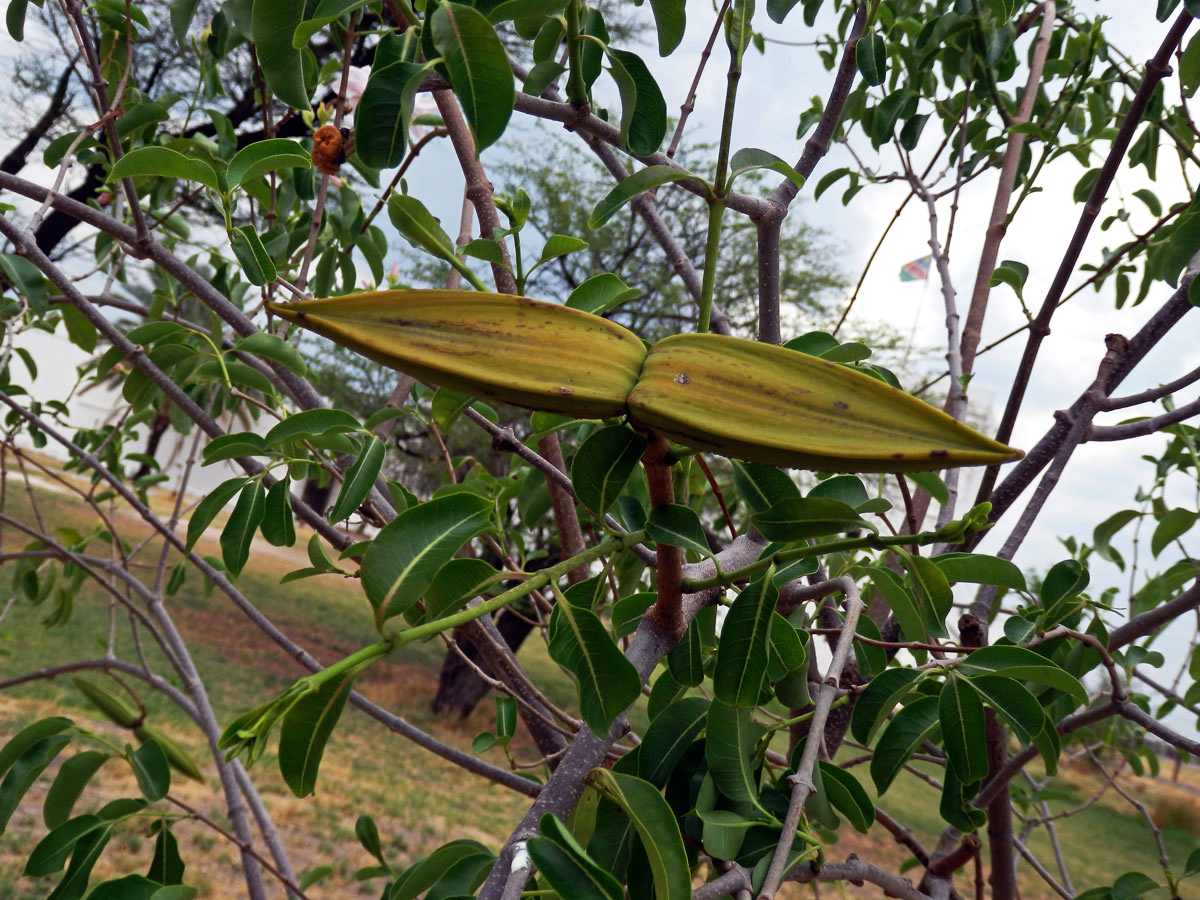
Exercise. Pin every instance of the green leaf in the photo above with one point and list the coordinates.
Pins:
(788, 648)
(230, 446)
(182, 12)
(978, 568)
(86, 851)
(524, 9)
(1132, 885)
(566, 866)
(608, 682)
(954, 807)
(800, 518)
(429, 871)
(306, 730)
(677, 526)
(1146, 196)
(1107, 530)
(901, 737)
(165, 163)
(151, 770)
(81, 332)
(310, 423)
(603, 464)
(960, 712)
(28, 280)
(1012, 273)
(278, 525)
(273, 347)
(848, 796)
(930, 586)
(272, 24)
(418, 226)
(730, 749)
(560, 245)
(657, 828)
(15, 19)
(600, 293)
(73, 776)
(252, 256)
(327, 11)
(359, 479)
(238, 532)
(686, 661)
(1017, 662)
(643, 109)
(478, 67)
(24, 771)
(52, 851)
(387, 103)
(902, 602)
(28, 736)
(128, 887)
(870, 55)
(751, 158)
(455, 583)
(880, 697)
(640, 181)
(1013, 703)
(670, 734)
(670, 18)
(777, 10)
(409, 550)
(166, 866)
(741, 670)
(1173, 524)
(271, 155)
(762, 486)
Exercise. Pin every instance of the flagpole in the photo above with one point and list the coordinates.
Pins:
(917, 317)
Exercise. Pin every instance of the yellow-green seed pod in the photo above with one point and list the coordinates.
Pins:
(114, 708)
(512, 349)
(772, 405)
(176, 756)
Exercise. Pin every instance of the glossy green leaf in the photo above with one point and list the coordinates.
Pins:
(677, 526)
(20, 742)
(15, 19)
(741, 669)
(560, 245)
(271, 155)
(931, 588)
(901, 601)
(777, 10)
(73, 776)
(1132, 885)
(762, 486)
(310, 423)
(978, 568)
(231, 446)
(730, 749)
(800, 518)
(608, 682)
(165, 163)
(1172, 525)
(1107, 530)
(238, 532)
(128, 887)
(387, 103)
(206, 510)
(252, 256)
(327, 11)
(359, 479)
(600, 293)
(524, 9)
(567, 868)
(272, 24)
(878, 700)
(657, 828)
(670, 18)
(478, 67)
(151, 770)
(954, 806)
(1012, 273)
(848, 796)
(603, 463)
(166, 866)
(25, 770)
(639, 182)
(643, 109)
(960, 712)
(750, 158)
(1013, 703)
(686, 661)
(418, 226)
(278, 526)
(670, 734)
(52, 851)
(429, 871)
(455, 583)
(84, 854)
(901, 737)
(409, 550)
(1017, 662)
(306, 730)
(871, 57)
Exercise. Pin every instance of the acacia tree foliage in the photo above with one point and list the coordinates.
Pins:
(734, 785)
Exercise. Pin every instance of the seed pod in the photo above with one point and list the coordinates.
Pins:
(772, 405)
(113, 708)
(511, 349)
(738, 398)
(175, 754)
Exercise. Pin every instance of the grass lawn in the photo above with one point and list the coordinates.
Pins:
(418, 800)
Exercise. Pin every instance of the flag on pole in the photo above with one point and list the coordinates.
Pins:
(917, 270)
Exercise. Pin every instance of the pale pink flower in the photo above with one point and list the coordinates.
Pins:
(356, 83)
(424, 106)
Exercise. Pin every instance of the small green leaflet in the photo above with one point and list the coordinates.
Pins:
(306, 729)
